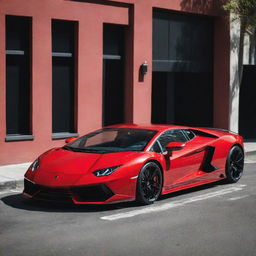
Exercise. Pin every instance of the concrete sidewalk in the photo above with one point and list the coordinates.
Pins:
(250, 147)
(11, 176)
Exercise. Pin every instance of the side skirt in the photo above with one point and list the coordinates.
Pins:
(191, 185)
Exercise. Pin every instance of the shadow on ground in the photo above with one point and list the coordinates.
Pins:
(18, 201)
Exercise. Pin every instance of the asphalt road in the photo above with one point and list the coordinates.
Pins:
(217, 219)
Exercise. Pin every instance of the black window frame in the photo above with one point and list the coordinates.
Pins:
(18, 31)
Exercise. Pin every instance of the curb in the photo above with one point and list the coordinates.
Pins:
(12, 176)
(11, 184)
(250, 153)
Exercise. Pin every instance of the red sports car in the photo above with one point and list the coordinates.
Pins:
(134, 162)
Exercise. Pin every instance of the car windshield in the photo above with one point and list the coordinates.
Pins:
(109, 140)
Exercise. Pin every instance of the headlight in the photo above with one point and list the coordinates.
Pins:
(105, 171)
(35, 165)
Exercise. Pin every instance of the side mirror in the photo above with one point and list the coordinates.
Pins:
(68, 140)
(174, 146)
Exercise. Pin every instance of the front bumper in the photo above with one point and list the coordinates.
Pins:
(89, 194)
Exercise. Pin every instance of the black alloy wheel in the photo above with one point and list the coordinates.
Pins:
(235, 164)
(149, 183)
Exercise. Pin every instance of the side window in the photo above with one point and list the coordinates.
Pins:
(179, 136)
(171, 135)
(190, 135)
(156, 148)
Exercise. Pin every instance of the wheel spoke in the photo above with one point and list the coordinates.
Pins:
(146, 175)
(232, 171)
(238, 165)
(146, 191)
(235, 172)
(240, 158)
(156, 186)
(233, 156)
(153, 174)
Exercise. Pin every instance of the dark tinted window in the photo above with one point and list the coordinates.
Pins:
(113, 40)
(190, 135)
(113, 74)
(182, 42)
(18, 75)
(156, 148)
(63, 76)
(170, 136)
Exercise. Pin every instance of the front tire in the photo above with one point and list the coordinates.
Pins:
(149, 184)
(234, 164)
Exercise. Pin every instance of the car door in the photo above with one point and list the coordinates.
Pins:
(202, 146)
(182, 165)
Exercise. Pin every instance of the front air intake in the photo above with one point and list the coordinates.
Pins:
(96, 193)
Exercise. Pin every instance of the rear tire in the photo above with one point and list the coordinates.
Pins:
(149, 184)
(234, 164)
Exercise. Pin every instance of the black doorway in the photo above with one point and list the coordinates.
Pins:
(182, 78)
(113, 75)
(247, 106)
(182, 98)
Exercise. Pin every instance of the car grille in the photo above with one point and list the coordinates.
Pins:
(96, 193)
(57, 195)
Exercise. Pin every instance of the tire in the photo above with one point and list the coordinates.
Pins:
(234, 164)
(149, 184)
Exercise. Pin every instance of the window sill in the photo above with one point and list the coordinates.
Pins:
(63, 135)
(18, 137)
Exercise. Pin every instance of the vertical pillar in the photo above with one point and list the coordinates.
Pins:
(221, 72)
(234, 76)
(129, 60)
(142, 52)
(90, 62)
(42, 79)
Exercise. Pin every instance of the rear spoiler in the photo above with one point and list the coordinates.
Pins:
(220, 129)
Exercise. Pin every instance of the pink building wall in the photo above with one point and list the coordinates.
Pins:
(137, 14)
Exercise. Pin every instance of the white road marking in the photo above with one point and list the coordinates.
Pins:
(237, 198)
(248, 161)
(16, 190)
(173, 204)
(10, 191)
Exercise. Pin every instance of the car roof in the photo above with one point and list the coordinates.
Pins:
(156, 127)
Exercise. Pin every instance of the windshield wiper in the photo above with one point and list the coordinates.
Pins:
(68, 148)
(73, 149)
(83, 150)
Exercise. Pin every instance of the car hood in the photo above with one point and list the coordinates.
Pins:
(69, 162)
